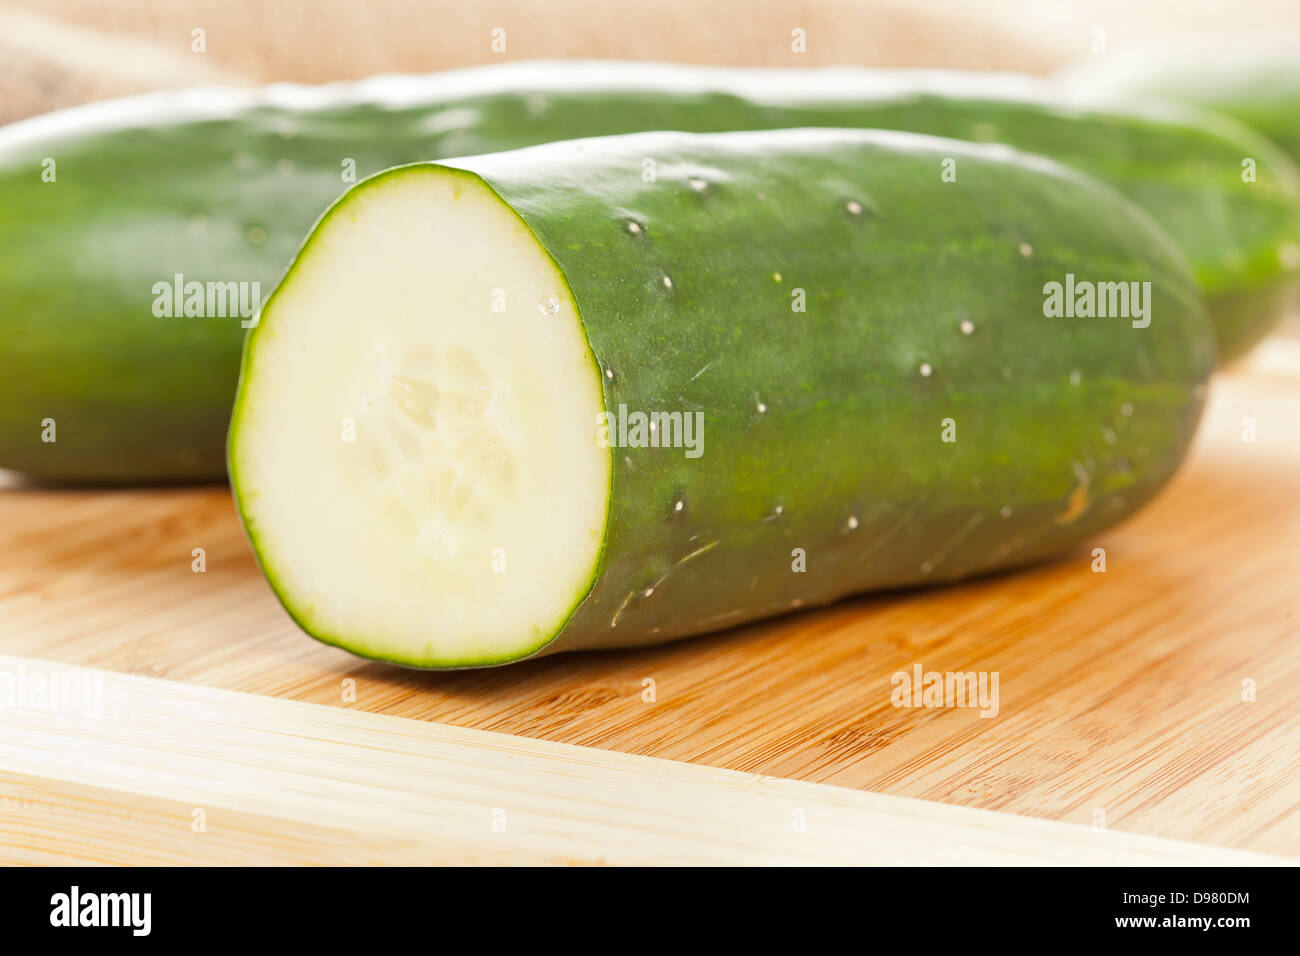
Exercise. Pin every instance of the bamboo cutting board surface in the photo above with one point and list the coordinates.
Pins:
(166, 773)
(1121, 693)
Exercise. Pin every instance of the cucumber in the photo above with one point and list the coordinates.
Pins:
(220, 186)
(1260, 88)
(422, 450)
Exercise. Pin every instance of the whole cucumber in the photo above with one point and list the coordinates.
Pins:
(111, 212)
(1257, 85)
(623, 390)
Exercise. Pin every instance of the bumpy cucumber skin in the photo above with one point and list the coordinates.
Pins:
(221, 185)
(1064, 426)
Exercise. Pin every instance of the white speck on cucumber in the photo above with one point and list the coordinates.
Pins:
(967, 327)
(926, 370)
(548, 304)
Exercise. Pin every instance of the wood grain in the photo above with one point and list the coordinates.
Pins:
(149, 771)
(1121, 693)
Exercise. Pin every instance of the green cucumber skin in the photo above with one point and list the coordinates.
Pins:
(179, 182)
(1261, 90)
(851, 428)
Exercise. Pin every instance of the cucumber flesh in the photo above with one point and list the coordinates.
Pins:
(439, 451)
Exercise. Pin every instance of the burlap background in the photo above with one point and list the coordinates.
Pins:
(56, 53)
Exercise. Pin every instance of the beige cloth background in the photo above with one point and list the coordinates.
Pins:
(56, 53)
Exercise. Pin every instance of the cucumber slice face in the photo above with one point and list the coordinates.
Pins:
(415, 451)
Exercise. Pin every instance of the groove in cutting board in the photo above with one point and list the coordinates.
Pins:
(1121, 693)
(117, 775)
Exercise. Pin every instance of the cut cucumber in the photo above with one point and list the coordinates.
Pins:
(833, 309)
(412, 456)
(220, 186)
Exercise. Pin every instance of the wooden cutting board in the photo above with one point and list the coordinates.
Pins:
(1123, 695)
